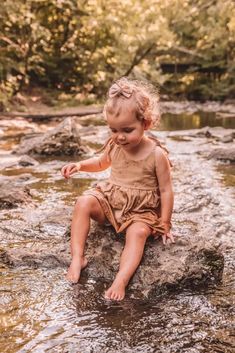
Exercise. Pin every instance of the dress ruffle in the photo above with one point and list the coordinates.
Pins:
(131, 194)
(123, 206)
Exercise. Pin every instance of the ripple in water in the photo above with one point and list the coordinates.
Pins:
(44, 313)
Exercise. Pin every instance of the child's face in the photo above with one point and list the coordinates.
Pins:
(126, 130)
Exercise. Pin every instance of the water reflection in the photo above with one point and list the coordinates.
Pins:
(198, 120)
(228, 174)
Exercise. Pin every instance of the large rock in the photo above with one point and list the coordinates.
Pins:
(63, 140)
(12, 196)
(223, 154)
(218, 133)
(174, 266)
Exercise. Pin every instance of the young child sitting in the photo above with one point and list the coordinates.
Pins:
(138, 197)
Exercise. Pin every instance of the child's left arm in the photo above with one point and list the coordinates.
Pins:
(163, 171)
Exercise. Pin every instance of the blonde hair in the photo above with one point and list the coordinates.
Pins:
(140, 97)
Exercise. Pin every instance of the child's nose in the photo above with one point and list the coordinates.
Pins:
(121, 137)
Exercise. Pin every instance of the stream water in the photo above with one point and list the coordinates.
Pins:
(41, 312)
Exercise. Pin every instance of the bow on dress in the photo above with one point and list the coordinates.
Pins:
(116, 90)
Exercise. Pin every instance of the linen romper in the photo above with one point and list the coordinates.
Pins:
(131, 194)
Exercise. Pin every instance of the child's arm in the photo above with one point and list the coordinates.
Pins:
(94, 164)
(163, 171)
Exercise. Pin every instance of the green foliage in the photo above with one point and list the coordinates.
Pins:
(80, 47)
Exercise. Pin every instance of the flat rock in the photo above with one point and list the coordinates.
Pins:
(170, 267)
(223, 154)
(62, 140)
(217, 133)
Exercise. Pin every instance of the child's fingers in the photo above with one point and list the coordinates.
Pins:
(171, 237)
(73, 170)
(63, 170)
(69, 169)
(166, 237)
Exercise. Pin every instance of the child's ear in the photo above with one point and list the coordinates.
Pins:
(147, 124)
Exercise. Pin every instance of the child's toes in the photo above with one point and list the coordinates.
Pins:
(107, 294)
(114, 296)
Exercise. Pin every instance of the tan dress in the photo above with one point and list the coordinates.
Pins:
(131, 194)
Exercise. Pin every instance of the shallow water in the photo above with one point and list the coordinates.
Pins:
(41, 312)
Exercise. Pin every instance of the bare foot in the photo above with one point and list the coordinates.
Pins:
(116, 291)
(74, 271)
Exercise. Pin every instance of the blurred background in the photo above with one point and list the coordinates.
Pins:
(69, 50)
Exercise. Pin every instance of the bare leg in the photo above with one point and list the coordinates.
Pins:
(136, 237)
(87, 207)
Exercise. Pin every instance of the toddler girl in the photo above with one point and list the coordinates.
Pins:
(138, 197)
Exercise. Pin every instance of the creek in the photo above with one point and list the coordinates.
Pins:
(41, 312)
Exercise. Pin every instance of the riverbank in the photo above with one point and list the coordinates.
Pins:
(36, 108)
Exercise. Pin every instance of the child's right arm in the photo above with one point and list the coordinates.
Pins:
(95, 164)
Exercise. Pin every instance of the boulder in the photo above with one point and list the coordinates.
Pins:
(223, 154)
(11, 196)
(163, 268)
(62, 140)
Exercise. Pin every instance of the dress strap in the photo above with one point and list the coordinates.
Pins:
(108, 146)
(158, 143)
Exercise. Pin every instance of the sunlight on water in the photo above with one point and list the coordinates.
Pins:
(58, 317)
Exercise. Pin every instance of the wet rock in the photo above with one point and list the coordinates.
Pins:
(26, 161)
(182, 264)
(16, 162)
(218, 133)
(11, 196)
(62, 140)
(227, 138)
(223, 154)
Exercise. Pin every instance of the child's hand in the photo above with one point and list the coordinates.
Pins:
(168, 238)
(70, 169)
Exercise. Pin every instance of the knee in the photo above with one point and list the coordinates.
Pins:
(140, 231)
(84, 204)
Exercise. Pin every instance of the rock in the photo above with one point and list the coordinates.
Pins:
(224, 154)
(26, 161)
(218, 133)
(182, 264)
(17, 161)
(62, 140)
(227, 138)
(205, 131)
(12, 196)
